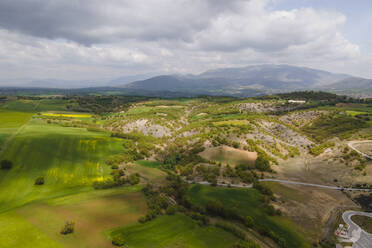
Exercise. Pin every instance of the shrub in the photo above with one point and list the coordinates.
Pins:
(134, 179)
(6, 164)
(263, 189)
(248, 221)
(118, 240)
(104, 184)
(39, 180)
(317, 150)
(142, 219)
(68, 228)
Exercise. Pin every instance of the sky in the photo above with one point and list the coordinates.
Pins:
(103, 40)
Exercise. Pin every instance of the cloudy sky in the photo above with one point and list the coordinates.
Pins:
(101, 40)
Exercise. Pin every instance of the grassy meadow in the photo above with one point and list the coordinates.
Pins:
(174, 231)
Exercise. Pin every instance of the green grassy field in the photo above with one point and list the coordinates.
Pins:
(10, 121)
(35, 105)
(69, 159)
(147, 163)
(13, 119)
(16, 231)
(178, 231)
(248, 202)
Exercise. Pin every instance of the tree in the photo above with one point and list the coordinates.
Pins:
(262, 164)
(6, 164)
(68, 228)
(39, 180)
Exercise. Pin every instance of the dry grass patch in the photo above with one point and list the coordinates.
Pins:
(365, 147)
(310, 208)
(228, 155)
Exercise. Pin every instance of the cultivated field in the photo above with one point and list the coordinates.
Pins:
(69, 159)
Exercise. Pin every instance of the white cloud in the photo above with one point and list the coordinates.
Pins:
(103, 39)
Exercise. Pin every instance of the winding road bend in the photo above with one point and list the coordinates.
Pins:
(359, 237)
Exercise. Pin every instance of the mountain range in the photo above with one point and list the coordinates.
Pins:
(242, 81)
(250, 81)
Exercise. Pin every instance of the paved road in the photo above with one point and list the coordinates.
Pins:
(286, 182)
(352, 143)
(358, 236)
(314, 185)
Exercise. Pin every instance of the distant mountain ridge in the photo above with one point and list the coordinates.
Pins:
(245, 81)
(249, 81)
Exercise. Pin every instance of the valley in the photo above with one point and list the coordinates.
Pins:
(271, 171)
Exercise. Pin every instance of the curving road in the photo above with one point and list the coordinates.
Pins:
(352, 143)
(359, 237)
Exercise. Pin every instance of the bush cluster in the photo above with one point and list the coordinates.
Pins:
(39, 180)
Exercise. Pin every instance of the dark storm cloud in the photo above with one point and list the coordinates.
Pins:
(49, 19)
(92, 21)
